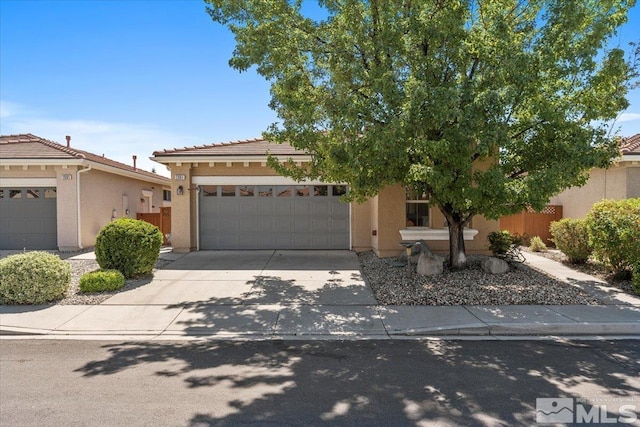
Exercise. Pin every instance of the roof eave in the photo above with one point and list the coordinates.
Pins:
(161, 180)
(185, 158)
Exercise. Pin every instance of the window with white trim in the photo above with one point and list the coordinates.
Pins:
(417, 208)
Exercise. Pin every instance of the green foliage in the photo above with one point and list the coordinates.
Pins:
(489, 106)
(101, 281)
(33, 278)
(501, 241)
(614, 233)
(571, 237)
(129, 246)
(635, 280)
(537, 245)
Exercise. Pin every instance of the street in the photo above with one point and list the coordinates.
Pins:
(357, 383)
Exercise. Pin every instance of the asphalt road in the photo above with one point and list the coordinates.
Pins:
(353, 383)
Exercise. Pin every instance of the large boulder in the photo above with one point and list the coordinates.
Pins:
(494, 265)
(430, 264)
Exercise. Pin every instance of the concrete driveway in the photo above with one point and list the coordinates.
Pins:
(254, 278)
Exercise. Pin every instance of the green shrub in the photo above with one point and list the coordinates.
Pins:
(614, 230)
(33, 278)
(129, 246)
(501, 241)
(537, 245)
(101, 281)
(571, 237)
(636, 278)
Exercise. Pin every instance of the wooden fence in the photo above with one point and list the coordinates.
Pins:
(533, 223)
(161, 219)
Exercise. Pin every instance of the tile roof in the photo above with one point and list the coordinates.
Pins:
(631, 145)
(248, 147)
(32, 147)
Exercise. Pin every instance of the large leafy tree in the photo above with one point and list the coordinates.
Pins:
(489, 106)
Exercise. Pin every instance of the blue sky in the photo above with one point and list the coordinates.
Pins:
(126, 77)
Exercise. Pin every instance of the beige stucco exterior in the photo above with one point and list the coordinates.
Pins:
(375, 223)
(101, 193)
(621, 181)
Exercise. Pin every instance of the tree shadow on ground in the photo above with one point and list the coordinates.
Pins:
(381, 382)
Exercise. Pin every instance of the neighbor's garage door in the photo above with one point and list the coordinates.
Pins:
(273, 217)
(28, 218)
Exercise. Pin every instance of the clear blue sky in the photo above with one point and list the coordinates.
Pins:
(126, 77)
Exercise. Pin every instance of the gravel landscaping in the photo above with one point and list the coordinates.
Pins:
(395, 285)
(80, 267)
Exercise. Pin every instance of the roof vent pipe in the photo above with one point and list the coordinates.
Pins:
(134, 161)
(68, 141)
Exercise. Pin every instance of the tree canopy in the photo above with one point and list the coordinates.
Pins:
(488, 106)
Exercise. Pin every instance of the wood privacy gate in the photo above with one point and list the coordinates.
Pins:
(533, 223)
(162, 220)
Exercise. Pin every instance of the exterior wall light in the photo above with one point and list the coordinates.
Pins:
(180, 190)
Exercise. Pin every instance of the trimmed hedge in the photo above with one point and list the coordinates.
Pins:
(128, 245)
(572, 238)
(614, 233)
(33, 278)
(101, 281)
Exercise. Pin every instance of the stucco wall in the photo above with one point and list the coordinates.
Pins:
(387, 219)
(361, 226)
(102, 192)
(67, 209)
(602, 184)
(633, 182)
(183, 210)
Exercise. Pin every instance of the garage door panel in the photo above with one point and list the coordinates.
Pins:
(295, 222)
(283, 224)
(28, 222)
(301, 224)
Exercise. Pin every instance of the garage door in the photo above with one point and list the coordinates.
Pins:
(273, 217)
(28, 218)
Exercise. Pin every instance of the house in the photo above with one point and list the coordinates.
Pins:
(620, 181)
(226, 197)
(54, 196)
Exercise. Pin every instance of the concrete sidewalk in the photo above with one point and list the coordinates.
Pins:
(304, 295)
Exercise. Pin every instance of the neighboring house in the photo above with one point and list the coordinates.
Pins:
(54, 196)
(620, 181)
(226, 197)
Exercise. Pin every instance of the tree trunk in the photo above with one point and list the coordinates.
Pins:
(457, 254)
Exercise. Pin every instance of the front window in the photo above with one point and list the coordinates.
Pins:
(417, 208)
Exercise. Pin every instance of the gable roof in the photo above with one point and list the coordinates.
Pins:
(257, 147)
(630, 145)
(29, 148)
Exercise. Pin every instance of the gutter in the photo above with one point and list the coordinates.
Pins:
(87, 169)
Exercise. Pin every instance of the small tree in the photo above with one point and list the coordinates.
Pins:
(487, 106)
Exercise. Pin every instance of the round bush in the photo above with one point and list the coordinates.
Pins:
(614, 227)
(572, 238)
(129, 246)
(101, 281)
(33, 278)
(537, 245)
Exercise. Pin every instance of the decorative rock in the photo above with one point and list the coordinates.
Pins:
(430, 265)
(494, 265)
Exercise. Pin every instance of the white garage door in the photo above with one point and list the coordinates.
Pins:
(28, 218)
(273, 217)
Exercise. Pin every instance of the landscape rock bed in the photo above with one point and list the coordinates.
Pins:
(394, 285)
(81, 266)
